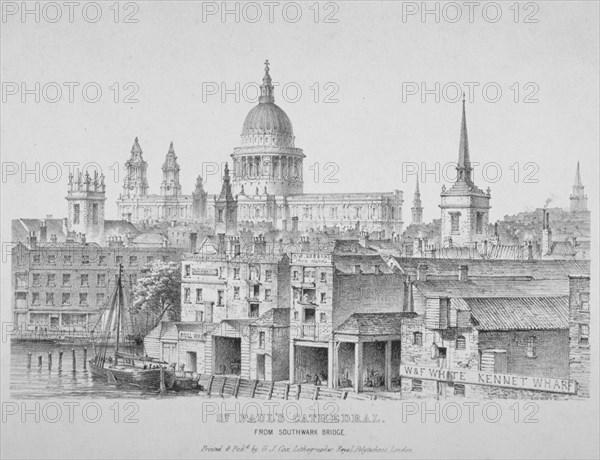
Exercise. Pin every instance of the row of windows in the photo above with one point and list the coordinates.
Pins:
(309, 275)
(459, 388)
(102, 259)
(84, 280)
(66, 298)
(309, 316)
(187, 295)
(460, 342)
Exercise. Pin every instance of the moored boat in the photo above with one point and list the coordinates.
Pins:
(122, 367)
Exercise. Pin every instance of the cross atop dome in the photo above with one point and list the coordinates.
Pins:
(266, 89)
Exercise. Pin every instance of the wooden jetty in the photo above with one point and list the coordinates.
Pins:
(222, 386)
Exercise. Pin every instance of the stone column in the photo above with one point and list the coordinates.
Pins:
(292, 362)
(388, 365)
(331, 364)
(358, 366)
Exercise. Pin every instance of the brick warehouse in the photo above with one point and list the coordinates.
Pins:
(502, 337)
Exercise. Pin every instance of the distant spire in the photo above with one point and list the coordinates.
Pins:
(417, 209)
(266, 89)
(578, 177)
(171, 149)
(464, 160)
(578, 196)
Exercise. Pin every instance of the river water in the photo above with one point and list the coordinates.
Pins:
(41, 382)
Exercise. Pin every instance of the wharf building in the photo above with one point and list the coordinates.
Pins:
(63, 269)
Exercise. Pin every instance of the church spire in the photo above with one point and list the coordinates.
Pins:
(464, 160)
(266, 89)
(578, 197)
(578, 177)
(417, 209)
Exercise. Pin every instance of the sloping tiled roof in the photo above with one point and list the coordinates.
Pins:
(539, 269)
(274, 317)
(373, 324)
(563, 248)
(149, 239)
(534, 313)
(22, 227)
(493, 288)
(346, 263)
(343, 247)
(119, 227)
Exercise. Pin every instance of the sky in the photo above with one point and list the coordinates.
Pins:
(379, 96)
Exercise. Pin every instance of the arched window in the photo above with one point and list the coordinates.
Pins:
(417, 338)
(461, 342)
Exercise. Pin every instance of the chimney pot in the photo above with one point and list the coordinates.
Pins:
(463, 272)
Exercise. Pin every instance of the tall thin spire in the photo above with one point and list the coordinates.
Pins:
(464, 160)
(578, 177)
(578, 196)
(266, 89)
(417, 209)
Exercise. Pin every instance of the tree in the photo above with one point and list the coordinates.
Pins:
(157, 294)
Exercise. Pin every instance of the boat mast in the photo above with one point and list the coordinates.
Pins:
(119, 304)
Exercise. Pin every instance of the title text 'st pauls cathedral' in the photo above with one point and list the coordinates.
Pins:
(266, 186)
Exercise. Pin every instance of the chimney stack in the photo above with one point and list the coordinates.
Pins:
(363, 239)
(422, 272)
(529, 251)
(43, 232)
(546, 234)
(463, 272)
(305, 244)
(193, 241)
(377, 269)
(357, 269)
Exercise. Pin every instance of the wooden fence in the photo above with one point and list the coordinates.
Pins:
(220, 386)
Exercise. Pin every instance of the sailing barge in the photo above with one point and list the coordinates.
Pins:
(123, 367)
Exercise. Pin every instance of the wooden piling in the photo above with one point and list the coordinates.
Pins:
(28, 360)
(49, 360)
(163, 388)
(74, 360)
(60, 353)
(40, 361)
(237, 387)
(84, 358)
(271, 390)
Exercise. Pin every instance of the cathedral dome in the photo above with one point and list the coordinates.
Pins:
(267, 118)
(267, 124)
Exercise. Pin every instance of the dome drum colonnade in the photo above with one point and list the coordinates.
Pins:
(267, 158)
